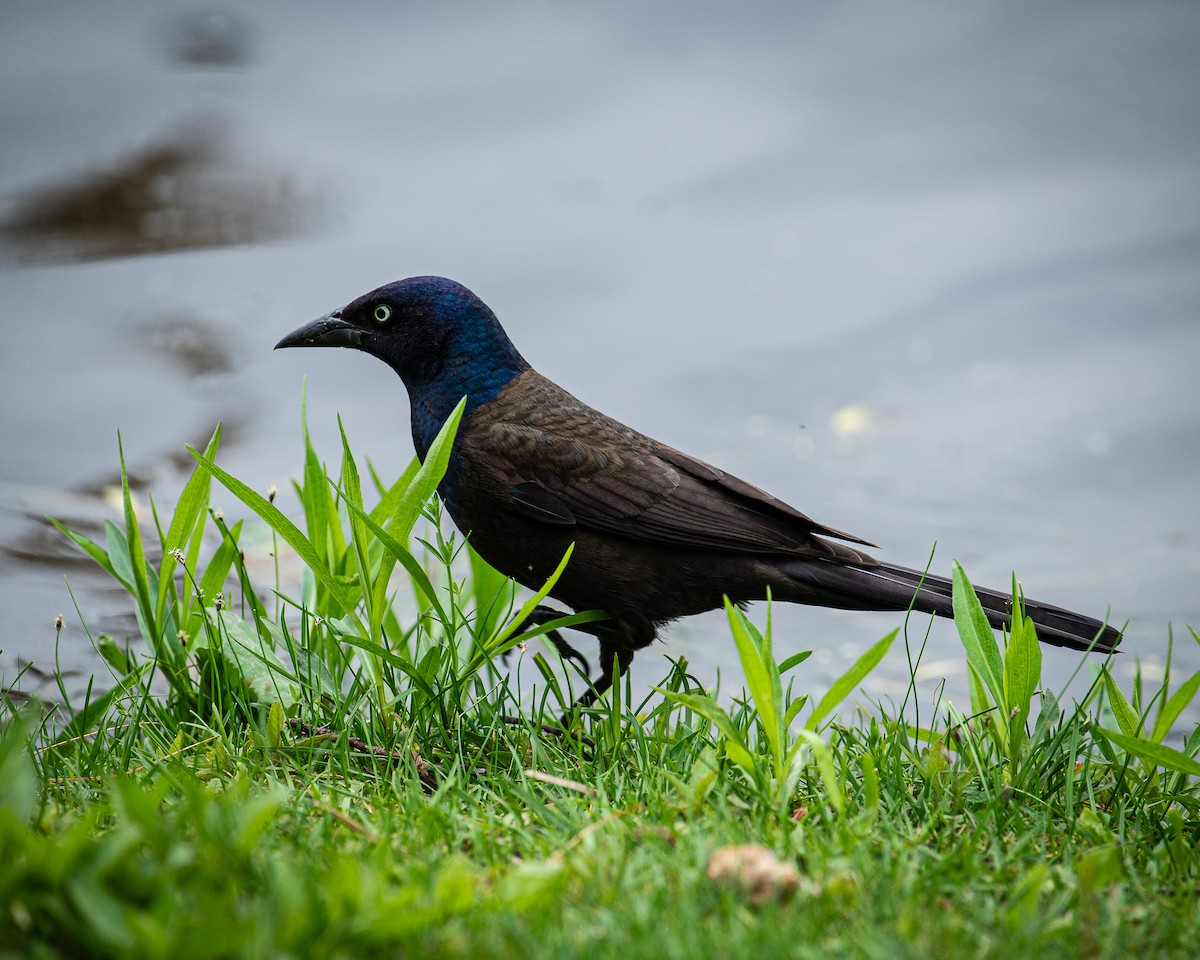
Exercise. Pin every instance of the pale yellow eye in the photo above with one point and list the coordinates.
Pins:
(382, 313)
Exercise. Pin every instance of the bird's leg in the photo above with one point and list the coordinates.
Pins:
(614, 661)
(541, 615)
(620, 638)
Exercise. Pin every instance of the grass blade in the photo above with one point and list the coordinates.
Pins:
(500, 641)
(427, 478)
(275, 519)
(731, 736)
(409, 502)
(93, 550)
(398, 551)
(849, 680)
(138, 569)
(1175, 705)
(1157, 754)
(188, 510)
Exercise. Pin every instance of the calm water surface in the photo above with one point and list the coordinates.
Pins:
(929, 272)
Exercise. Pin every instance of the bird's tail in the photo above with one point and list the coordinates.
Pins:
(886, 586)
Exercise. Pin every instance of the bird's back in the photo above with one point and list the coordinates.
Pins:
(557, 461)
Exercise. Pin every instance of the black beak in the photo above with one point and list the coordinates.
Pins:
(327, 331)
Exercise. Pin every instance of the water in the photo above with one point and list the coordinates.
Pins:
(928, 272)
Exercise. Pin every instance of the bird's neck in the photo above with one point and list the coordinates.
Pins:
(434, 397)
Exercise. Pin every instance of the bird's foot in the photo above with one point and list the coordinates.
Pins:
(540, 615)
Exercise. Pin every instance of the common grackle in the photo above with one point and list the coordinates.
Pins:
(658, 535)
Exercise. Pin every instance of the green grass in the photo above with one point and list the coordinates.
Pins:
(345, 769)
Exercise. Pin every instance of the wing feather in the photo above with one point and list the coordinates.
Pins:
(565, 462)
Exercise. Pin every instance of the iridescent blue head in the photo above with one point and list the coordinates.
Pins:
(442, 339)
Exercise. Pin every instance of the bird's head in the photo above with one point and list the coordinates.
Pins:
(442, 339)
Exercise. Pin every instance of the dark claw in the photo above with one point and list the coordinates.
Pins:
(541, 615)
(568, 652)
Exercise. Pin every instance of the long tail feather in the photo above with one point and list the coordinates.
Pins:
(890, 587)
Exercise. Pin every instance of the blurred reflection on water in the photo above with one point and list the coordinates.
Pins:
(184, 191)
(215, 39)
(926, 271)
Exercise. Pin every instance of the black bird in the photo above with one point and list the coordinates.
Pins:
(658, 535)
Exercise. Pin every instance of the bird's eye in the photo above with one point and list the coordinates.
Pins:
(382, 313)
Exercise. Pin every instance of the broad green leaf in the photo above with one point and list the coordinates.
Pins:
(167, 652)
(1127, 718)
(976, 634)
(351, 493)
(317, 499)
(133, 539)
(532, 886)
(18, 789)
(403, 664)
(113, 655)
(390, 500)
(793, 769)
(1022, 665)
(758, 678)
(275, 724)
(311, 669)
(981, 702)
(924, 734)
(793, 709)
(261, 670)
(1048, 715)
(1022, 677)
(117, 547)
(560, 623)
(765, 642)
(381, 513)
(250, 596)
(1099, 867)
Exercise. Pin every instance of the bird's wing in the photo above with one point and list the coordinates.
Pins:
(565, 463)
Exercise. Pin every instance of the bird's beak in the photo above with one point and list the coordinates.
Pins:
(327, 331)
